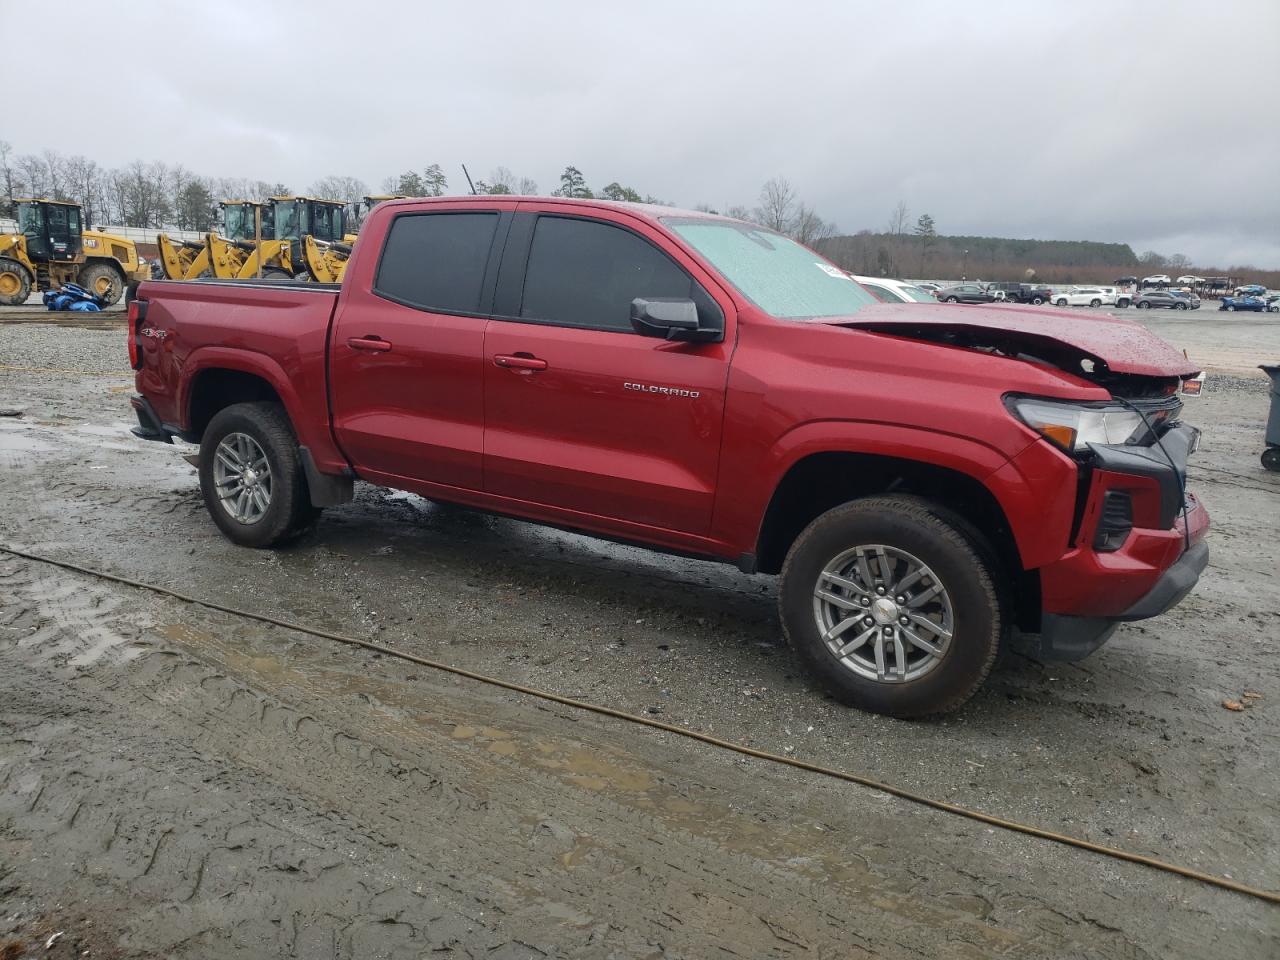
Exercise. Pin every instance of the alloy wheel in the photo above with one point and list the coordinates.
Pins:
(242, 476)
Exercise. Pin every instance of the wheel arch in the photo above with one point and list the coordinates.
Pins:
(219, 377)
(821, 479)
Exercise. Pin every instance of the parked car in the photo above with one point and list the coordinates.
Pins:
(1111, 297)
(1083, 297)
(1189, 280)
(1170, 299)
(929, 287)
(1273, 303)
(896, 291)
(1256, 304)
(1251, 290)
(1156, 280)
(925, 480)
(965, 293)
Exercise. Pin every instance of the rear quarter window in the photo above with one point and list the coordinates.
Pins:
(437, 261)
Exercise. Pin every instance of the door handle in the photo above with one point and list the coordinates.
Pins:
(519, 362)
(374, 344)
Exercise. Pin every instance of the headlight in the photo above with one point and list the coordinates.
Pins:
(1074, 426)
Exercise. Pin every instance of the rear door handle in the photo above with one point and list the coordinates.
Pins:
(519, 362)
(374, 344)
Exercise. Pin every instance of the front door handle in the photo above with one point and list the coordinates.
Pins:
(374, 344)
(519, 361)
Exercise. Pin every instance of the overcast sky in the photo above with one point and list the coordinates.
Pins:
(1152, 123)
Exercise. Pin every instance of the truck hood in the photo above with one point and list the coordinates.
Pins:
(1093, 343)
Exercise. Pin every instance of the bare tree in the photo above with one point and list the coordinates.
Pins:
(899, 219)
(777, 205)
(6, 171)
(346, 189)
(528, 187)
(809, 228)
(739, 212)
(84, 186)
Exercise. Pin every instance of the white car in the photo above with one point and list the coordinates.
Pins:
(1083, 297)
(1189, 281)
(896, 291)
(1157, 279)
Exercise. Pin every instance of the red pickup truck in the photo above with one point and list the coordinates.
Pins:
(927, 479)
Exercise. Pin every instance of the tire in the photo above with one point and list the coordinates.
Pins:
(1143, 305)
(15, 283)
(1179, 306)
(304, 276)
(951, 300)
(1062, 301)
(1273, 309)
(949, 550)
(1124, 304)
(1271, 459)
(1037, 300)
(102, 280)
(1095, 303)
(275, 274)
(1229, 308)
(288, 512)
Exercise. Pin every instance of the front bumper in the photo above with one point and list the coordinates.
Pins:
(1065, 637)
(1088, 591)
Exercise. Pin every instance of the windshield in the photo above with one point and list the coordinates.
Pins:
(918, 295)
(237, 222)
(31, 219)
(286, 220)
(775, 273)
(884, 293)
(328, 223)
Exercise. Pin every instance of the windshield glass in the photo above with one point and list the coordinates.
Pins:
(286, 220)
(237, 222)
(884, 293)
(918, 295)
(328, 223)
(775, 273)
(31, 219)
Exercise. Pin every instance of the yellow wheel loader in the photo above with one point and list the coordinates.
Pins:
(190, 259)
(54, 249)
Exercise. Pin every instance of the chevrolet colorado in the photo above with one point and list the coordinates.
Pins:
(926, 479)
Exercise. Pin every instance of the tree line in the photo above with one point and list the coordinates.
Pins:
(907, 249)
(158, 195)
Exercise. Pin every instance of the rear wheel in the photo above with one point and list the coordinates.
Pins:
(1143, 305)
(1179, 306)
(1230, 308)
(1062, 301)
(893, 603)
(1037, 300)
(951, 300)
(251, 476)
(275, 273)
(1095, 303)
(15, 282)
(103, 281)
(1271, 459)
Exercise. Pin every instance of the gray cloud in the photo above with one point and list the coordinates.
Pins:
(1152, 123)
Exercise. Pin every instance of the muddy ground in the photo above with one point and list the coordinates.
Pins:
(182, 783)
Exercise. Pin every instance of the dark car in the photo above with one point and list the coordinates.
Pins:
(1023, 292)
(966, 293)
(1169, 299)
(1256, 304)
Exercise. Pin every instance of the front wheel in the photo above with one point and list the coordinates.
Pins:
(1271, 459)
(951, 300)
(1095, 303)
(251, 476)
(892, 602)
(15, 282)
(1062, 301)
(103, 281)
(1230, 309)
(1037, 300)
(1143, 305)
(1179, 306)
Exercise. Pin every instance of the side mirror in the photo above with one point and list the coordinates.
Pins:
(670, 318)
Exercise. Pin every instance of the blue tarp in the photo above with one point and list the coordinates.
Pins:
(75, 298)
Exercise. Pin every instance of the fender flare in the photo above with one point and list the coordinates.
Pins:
(244, 361)
(962, 454)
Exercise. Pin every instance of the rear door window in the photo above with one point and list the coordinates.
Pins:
(585, 273)
(437, 261)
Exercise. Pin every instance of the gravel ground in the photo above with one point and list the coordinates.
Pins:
(183, 783)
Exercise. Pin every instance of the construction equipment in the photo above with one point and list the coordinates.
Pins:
(190, 259)
(52, 249)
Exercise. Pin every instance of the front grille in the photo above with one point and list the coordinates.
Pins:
(1115, 523)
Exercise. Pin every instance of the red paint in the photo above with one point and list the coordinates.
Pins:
(559, 425)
